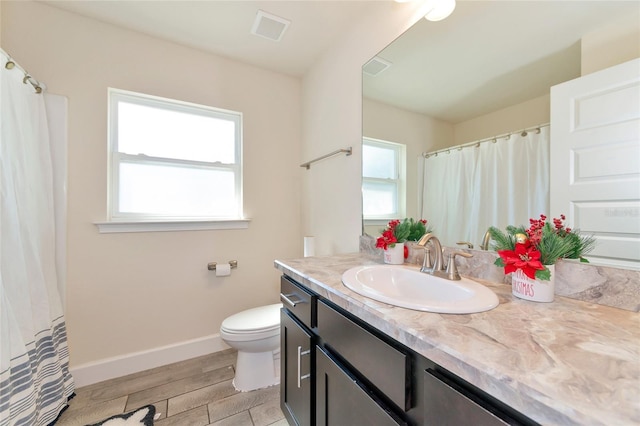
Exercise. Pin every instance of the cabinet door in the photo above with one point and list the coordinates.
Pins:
(296, 381)
(365, 353)
(341, 401)
(448, 405)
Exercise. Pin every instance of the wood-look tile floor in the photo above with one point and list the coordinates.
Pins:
(196, 392)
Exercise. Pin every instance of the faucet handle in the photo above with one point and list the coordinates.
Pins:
(465, 243)
(427, 263)
(452, 269)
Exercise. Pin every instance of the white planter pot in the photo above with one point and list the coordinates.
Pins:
(394, 255)
(536, 290)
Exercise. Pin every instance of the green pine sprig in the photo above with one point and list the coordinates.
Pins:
(402, 231)
(417, 229)
(503, 240)
(553, 244)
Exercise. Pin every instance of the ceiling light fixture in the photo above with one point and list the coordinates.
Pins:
(436, 10)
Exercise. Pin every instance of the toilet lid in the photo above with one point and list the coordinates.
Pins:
(252, 320)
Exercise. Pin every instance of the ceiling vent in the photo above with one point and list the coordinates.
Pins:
(375, 66)
(269, 26)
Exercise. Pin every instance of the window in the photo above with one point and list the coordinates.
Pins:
(383, 179)
(173, 161)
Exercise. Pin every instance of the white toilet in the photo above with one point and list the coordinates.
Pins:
(255, 333)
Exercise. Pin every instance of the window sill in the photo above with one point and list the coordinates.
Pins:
(164, 226)
(371, 222)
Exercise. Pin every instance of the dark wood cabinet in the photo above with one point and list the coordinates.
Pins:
(341, 400)
(338, 370)
(365, 353)
(296, 381)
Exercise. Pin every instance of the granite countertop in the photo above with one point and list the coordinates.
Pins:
(562, 363)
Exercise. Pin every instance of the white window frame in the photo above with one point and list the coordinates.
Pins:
(135, 222)
(400, 181)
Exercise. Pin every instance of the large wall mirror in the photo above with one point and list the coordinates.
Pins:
(479, 76)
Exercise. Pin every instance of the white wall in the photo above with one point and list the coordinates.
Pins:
(513, 118)
(615, 43)
(332, 114)
(131, 293)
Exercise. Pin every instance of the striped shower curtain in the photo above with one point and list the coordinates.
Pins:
(35, 383)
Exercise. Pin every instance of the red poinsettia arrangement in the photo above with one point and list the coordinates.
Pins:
(524, 256)
(541, 244)
(400, 231)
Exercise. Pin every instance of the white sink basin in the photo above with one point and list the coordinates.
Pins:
(407, 287)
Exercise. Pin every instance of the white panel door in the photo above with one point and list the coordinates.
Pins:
(595, 160)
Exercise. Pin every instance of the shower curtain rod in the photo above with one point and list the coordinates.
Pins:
(522, 132)
(10, 64)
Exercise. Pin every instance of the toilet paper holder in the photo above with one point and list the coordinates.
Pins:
(212, 265)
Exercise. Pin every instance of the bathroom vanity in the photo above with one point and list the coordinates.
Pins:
(347, 359)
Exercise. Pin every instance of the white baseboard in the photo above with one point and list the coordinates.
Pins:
(110, 368)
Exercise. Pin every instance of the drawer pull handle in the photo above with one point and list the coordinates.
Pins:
(286, 299)
(306, 376)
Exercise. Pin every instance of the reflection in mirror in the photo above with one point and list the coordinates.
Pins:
(503, 180)
(383, 177)
(483, 73)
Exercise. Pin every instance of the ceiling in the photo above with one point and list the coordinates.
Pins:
(223, 27)
(485, 56)
(489, 55)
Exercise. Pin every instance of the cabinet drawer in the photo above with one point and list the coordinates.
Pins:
(385, 366)
(299, 301)
(340, 399)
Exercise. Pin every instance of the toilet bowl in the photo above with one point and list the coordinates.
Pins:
(255, 333)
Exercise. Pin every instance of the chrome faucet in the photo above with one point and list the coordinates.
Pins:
(485, 241)
(436, 266)
(429, 266)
